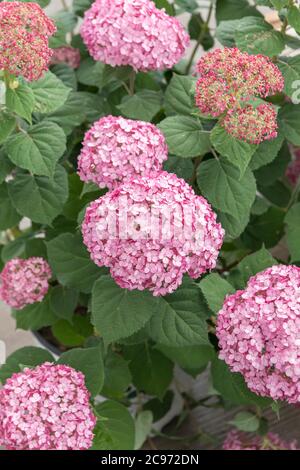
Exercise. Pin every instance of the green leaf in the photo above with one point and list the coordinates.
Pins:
(14, 249)
(232, 386)
(292, 221)
(245, 421)
(159, 408)
(38, 149)
(293, 17)
(151, 371)
(220, 184)
(233, 226)
(28, 355)
(49, 93)
(164, 4)
(116, 430)
(180, 320)
(185, 136)
(182, 167)
(236, 151)
(199, 31)
(249, 266)
(80, 6)
(74, 334)
(143, 105)
(36, 316)
(290, 69)
(20, 100)
(66, 74)
(143, 426)
(63, 301)
(266, 229)
(256, 36)
(190, 358)
(6, 166)
(289, 116)
(279, 4)
(178, 97)
(71, 114)
(71, 262)
(215, 289)
(234, 9)
(7, 125)
(88, 361)
(187, 5)
(117, 376)
(9, 217)
(266, 152)
(225, 32)
(38, 197)
(35, 247)
(91, 73)
(118, 313)
(267, 175)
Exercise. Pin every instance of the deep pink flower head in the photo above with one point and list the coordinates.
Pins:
(150, 231)
(114, 149)
(259, 333)
(133, 32)
(24, 281)
(24, 34)
(66, 55)
(46, 408)
(251, 124)
(237, 440)
(293, 170)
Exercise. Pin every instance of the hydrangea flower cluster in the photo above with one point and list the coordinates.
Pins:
(24, 281)
(259, 333)
(228, 79)
(293, 170)
(237, 440)
(114, 149)
(46, 408)
(66, 55)
(133, 32)
(150, 231)
(24, 34)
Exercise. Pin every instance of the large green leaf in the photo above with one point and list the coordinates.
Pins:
(71, 262)
(9, 217)
(38, 197)
(143, 105)
(290, 69)
(38, 149)
(185, 136)
(118, 313)
(35, 316)
(117, 376)
(289, 116)
(63, 301)
(225, 32)
(178, 97)
(266, 152)
(71, 114)
(49, 93)
(7, 125)
(190, 358)
(293, 17)
(215, 288)
(292, 221)
(268, 174)
(88, 361)
(20, 100)
(234, 9)
(256, 36)
(28, 356)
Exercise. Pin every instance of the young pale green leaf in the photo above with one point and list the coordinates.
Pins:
(292, 221)
(9, 217)
(151, 371)
(234, 9)
(63, 301)
(181, 318)
(21, 101)
(7, 125)
(116, 429)
(289, 117)
(215, 289)
(256, 36)
(290, 69)
(185, 136)
(36, 316)
(246, 421)
(89, 361)
(49, 93)
(117, 376)
(293, 17)
(29, 355)
(143, 105)
(38, 197)
(143, 426)
(118, 313)
(38, 149)
(179, 95)
(236, 151)
(71, 262)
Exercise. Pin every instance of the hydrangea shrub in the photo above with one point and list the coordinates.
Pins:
(150, 217)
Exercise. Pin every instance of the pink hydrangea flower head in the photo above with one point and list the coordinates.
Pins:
(293, 170)
(24, 281)
(150, 231)
(259, 333)
(66, 55)
(251, 124)
(114, 149)
(237, 440)
(46, 408)
(133, 32)
(24, 34)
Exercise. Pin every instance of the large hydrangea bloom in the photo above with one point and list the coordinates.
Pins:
(259, 333)
(150, 231)
(133, 32)
(46, 408)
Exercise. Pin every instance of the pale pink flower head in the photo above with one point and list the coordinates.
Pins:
(238, 440)
(24, 281)
(24, 34)
(259, 333)
(133, 32)
(251, 124)
(46, 408)
(150, 231)
(66, 55)
(115, 149)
